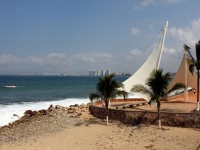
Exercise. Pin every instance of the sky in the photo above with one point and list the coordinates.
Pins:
(75, 36)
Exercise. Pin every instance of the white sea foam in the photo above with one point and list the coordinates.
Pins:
(7, 111)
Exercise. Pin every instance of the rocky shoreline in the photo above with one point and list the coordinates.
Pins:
(74, 128)
(36, 124)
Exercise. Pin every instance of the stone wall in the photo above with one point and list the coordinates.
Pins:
(191, 120)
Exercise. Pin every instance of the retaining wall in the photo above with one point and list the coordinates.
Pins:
(191, 120)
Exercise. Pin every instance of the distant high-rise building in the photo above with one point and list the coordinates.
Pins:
(90, 73)
(93, 72)
(107, 72)
(98, 73)
(103, 72)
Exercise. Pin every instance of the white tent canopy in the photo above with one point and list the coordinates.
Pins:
(153, 62)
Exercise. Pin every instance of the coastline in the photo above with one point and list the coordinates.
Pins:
(75, 128)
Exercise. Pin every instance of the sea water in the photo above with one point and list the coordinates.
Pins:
(39, 92)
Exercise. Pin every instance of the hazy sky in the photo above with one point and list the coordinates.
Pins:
(65, 36)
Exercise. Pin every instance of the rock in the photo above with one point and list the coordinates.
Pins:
(83, 106)
(72, 106)
(82, 110)
(43, 112)
(71, 111)
(15, 115)
(79, 114)
(26, 116)
(59, 107)
(89, 104)
(76, 105)
(51, 108)
(30, 113)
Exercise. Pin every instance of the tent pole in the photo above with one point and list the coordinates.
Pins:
(162, 44)
(186, 83)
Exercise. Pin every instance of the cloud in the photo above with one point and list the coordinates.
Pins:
(188, 35)
(50, 59)
(135, 52)
(169, 50)
(171, 1)
(93, 57)
(9, 59)
(147, 3)
(53, 62)
(135, 31)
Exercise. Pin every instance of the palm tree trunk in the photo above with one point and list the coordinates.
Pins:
(108, 102)
(107, 120)
(102, 103)
(107, 111)
(197, 89)
(159, 121)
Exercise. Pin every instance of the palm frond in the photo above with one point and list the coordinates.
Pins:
(187, 49)
(141, 89)
(122, 93)
(192, 68)
(198, 50)
(107, 88)
(93, 96)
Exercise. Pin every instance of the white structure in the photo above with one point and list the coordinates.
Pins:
(153, 62)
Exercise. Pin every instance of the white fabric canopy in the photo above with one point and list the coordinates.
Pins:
(142, 74)
(146, 69)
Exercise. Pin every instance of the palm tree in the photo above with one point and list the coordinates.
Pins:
(195, 64)
(107, 89)
(156, 88)
(94, 96)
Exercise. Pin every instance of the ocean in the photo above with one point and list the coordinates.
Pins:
(39, 92)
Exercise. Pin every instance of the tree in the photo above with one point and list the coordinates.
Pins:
(195, 64)
(107, 89)
(156, 88)
(94, 96)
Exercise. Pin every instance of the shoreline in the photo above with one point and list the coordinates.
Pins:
(14, 111)
(74, 127)
(62, 130)
(42, 122)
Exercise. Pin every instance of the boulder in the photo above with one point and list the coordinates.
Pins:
(43, 112)
(51, 108)
(76, 105)
(30, 113)
(59, 107)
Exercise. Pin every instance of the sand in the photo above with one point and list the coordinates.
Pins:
(89, 133)
(93, 134)
(96, 135)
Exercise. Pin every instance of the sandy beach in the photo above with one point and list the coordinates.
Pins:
(96, 135)
(64, 130)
